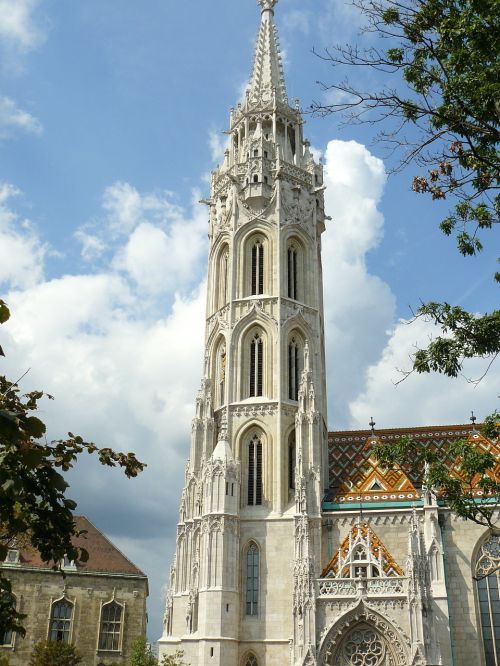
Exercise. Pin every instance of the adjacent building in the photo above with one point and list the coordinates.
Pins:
(99, 605)
(293, 545)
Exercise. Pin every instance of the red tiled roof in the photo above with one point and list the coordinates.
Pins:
(104, 557)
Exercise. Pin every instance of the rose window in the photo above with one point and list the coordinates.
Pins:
(364, 647)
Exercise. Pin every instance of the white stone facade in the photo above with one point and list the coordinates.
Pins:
(252, 538)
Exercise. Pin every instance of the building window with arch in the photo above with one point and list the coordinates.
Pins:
(256, 366)
(487, 584)
(254, 472)
(291, 461)
(292, 272)
(111, 626)
(60, 621)
(7, 635)
(252, 579)
(293, 370)
(223, 279)
(257, 286)
(251, 660)
(221, 375)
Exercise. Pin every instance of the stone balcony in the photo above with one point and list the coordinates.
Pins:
(394, 587)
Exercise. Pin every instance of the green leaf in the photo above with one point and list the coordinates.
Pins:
(4, 312)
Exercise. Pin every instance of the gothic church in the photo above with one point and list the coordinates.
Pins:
(293, 546)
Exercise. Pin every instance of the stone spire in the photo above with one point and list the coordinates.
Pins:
(267, 73)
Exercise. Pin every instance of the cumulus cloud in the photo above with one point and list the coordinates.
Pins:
(218, 142)
(359, 307)
(18, 28)
(421, 399)
(21, 251)
(122, 357)
(13, 119)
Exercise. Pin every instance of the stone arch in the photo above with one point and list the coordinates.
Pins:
(258, 234)
(357, 633)
(485, 570)
(255, 430)
(251, 578)
(294, 342)
(241, 356)
(218, 368)
(250, 659)
(295, 260)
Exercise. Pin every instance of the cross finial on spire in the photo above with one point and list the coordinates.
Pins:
(267, 5)
(372, 425)
(473, 418)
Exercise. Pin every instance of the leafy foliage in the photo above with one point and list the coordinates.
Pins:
(440, 113)
(34, 509)
(176, 659)
(52, 653)
(142, 654)
(475, 472)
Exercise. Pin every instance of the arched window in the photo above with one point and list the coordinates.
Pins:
(60, 621)
(223, 278)
(252, 582)
(487, 583)
(256, 366)
(251, 660)
(111, 625)
(221, 375)
(293, 370)
(291, 462)
(257, 268)
(255, 472)
(292, 272)
(6, 635)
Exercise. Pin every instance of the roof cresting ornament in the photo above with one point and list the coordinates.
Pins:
(267, 5)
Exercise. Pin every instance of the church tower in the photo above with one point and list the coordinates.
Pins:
(249, 532)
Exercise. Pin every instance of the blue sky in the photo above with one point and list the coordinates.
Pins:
(111, 118)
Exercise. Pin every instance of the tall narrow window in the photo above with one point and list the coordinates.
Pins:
(224, 278)
(60, 621)
(291, 462)
(252, 587)
(221, 375)
(256, 367)
(293, 370)
(255, 472)
(6, 635)
(292, 272)
(257, 268)
(111, 623)
(487, 577)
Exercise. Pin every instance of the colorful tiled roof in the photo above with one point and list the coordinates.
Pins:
(104, 557)
(356, 476)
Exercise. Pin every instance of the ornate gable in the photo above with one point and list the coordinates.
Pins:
(362, 553)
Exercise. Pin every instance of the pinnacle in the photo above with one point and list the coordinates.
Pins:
(267, 4)
(267, 73)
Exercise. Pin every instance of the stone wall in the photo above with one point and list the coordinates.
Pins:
(36, 590)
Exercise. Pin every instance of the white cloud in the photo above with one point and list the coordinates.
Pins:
(359, 307)
(21, 251)
(122, 374)
(92, 245)
(218, 143)
(14, 119)
(17, 25)
(421, 399)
